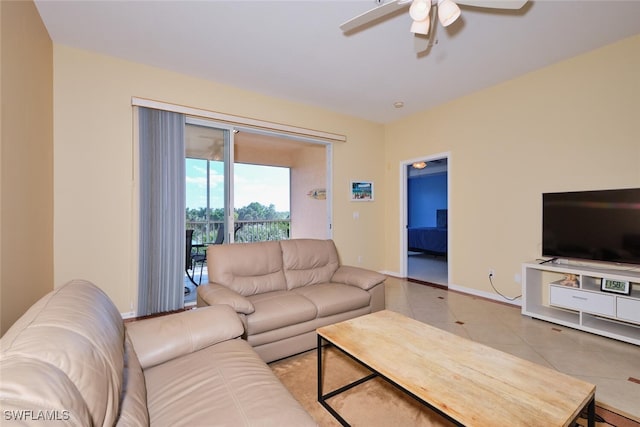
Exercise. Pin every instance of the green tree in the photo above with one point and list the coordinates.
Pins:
(255, 211)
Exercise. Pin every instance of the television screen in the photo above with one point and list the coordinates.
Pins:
(592, 225)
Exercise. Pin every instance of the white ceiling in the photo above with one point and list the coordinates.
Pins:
(294, 50)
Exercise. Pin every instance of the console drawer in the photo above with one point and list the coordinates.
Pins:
(628, 309)
(576, 299)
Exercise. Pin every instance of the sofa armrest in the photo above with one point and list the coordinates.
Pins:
(356, 276)
(215, 293)
(160, 339)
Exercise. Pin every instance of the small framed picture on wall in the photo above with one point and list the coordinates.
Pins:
(361, 191)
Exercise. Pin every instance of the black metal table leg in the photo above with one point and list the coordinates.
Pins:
(319, 360)
(322, 398)
(591, 413)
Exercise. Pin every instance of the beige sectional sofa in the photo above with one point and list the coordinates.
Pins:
(70, 360)
(284, 290)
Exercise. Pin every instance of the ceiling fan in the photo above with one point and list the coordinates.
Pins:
(423, 13)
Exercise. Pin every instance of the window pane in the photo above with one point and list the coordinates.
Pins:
(262, 202)
(196, 197)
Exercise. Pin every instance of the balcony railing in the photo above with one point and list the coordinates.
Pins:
(244, 231)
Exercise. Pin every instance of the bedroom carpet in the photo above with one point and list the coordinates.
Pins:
(375, 402)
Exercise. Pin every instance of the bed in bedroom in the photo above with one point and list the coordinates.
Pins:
(432, 240)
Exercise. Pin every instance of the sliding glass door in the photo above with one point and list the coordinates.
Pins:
(251, 199)
(249, 185)
(222, 184)
(256, 185)
(208, 165)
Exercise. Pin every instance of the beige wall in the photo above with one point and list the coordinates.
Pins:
(571, 126)
(26, 160)
(95, 198)
(565, 127)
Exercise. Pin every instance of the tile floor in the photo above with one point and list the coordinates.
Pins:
(607, 363)
(190, 298)
(427, 268)
(611, 365)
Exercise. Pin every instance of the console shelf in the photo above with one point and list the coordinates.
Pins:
(582, 306)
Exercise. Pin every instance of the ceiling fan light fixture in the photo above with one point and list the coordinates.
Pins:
(420, 27)
(419, 10)
(448, 12)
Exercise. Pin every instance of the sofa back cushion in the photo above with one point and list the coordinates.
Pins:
(72, 340)
(308, 261)
(247, 268)
(32, 392)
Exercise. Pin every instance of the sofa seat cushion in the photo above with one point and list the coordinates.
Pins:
(274, 310)
(334, 298)
(235, 389)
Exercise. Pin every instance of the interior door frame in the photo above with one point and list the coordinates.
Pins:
(404, 209)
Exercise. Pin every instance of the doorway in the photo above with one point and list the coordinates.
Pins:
(425, 242)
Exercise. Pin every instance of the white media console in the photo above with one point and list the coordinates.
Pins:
(585, 307)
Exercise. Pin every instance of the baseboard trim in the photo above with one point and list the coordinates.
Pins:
(423, 282)
(164, 313)
(462, 290)
(482, 294)
(392, 274)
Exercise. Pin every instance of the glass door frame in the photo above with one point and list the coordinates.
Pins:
(228, 161)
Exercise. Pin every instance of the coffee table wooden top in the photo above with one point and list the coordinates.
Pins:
(474, 384)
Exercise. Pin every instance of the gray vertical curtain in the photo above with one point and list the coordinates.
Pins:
(162, 211)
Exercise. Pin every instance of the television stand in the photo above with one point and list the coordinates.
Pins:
(580, 304)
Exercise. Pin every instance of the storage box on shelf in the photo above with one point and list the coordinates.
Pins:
(582, 304)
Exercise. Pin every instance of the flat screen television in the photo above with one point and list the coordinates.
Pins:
(601, 225)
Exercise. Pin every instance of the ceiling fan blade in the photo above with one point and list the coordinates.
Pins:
(493, 4)
(373, 14)
(423, 44)
(420, 43)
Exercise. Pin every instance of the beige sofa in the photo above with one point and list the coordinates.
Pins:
(284, 290)
(70, 361)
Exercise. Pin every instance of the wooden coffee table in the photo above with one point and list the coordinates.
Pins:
(466, 382)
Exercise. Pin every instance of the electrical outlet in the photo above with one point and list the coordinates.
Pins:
(492, 273)
(359, 259)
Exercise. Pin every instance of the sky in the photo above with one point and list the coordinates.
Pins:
(253, 183)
